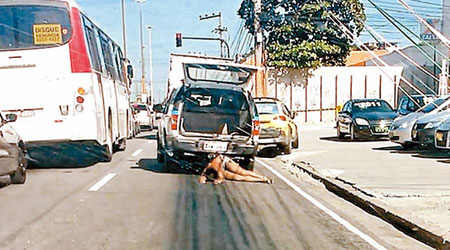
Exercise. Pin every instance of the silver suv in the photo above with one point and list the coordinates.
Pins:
(212, 112)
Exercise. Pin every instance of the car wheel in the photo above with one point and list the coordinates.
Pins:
(248, 163)
(109, 147)
(340, 135)
(20, 175)
(288, 146)
(160, 155)
(352, 132)
(295, 144)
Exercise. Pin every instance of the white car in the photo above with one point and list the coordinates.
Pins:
(401, 129)
(144, 116)
(12, 151)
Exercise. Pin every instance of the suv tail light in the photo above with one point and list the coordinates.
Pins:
(256, 127)
(174, 120)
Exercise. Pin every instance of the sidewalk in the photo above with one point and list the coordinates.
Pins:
(408, 189)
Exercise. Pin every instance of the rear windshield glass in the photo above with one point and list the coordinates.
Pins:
(218, 73)
(433, 105)
(371, 106)
(140, 107)
(216, 99)
(33, 26)
(267, 108)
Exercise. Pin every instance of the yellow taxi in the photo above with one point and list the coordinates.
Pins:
(278, 129)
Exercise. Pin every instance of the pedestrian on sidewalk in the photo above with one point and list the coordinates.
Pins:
(223, 167)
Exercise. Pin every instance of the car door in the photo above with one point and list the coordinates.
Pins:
(345, 119)
(289, 117)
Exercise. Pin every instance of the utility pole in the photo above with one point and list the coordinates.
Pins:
(124, 30)
(443, 78)
(259, 84)
(141, 36)
(219, 30)
(152, 93)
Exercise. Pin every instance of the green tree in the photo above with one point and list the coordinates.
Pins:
(302, 34)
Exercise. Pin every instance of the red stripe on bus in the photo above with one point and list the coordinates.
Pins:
(78, 53)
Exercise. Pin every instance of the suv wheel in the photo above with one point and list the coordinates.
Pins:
(20, 175)
(248, 163)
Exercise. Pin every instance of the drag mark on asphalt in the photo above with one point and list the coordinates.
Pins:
(102, 182)
(137, 152)
(322, 207)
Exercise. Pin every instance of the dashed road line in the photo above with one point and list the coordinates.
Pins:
(102, 182)
(322, 207)
(137, 152)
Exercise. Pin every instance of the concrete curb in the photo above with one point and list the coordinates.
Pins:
(398, 222)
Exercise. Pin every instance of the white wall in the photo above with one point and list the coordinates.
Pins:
(316, 97)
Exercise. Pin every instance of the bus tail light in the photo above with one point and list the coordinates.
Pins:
(80, 99)
(82, 91)
(79, 108)
(256, 127)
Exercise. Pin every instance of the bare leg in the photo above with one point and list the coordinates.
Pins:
(232, 166)
(236, 177)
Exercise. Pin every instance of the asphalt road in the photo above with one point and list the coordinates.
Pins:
(136, 203)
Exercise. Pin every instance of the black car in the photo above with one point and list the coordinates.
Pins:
(365, 118)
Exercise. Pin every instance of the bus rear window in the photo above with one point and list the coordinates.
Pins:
(33, 26)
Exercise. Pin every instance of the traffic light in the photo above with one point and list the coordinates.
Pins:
(179, 40)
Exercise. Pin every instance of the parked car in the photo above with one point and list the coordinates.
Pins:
(278, 129)
(425, 128)
(12, 151)
(144, 116)
(411, 104)
(135, 125)
(213, 112)
(441, 136)
(401, 129)
(365, 118)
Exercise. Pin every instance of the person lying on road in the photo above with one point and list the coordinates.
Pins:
(222, 167)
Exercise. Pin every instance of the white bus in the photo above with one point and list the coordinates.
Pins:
(64, 79)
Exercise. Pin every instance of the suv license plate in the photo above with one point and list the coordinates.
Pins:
(215, 146)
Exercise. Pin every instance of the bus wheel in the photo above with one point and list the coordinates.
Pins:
(109, 142)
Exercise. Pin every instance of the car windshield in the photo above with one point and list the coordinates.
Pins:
(267, 108)
(371, 106)
(33, 26)
(433, 105)
(218, 73)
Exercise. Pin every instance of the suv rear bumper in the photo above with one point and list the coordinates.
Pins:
(196, 147)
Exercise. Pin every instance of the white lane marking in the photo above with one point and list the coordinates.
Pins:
(322, 207)
(102, 182)
(137, 152)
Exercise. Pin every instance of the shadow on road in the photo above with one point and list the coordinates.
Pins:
(147, 137)
(268, 153)
(418, 152)
(173, 168)
(347, 139)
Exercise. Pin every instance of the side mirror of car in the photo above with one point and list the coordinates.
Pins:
(11, 117)
(158, 108)
(130, 71)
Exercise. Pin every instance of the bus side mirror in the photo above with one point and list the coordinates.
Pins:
(130, 71)
(158, 108)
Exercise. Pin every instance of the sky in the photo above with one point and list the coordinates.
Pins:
(171, 16)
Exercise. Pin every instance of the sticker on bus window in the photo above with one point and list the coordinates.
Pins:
(46, 34)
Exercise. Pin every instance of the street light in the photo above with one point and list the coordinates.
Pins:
(143, 89)
(150, 65)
